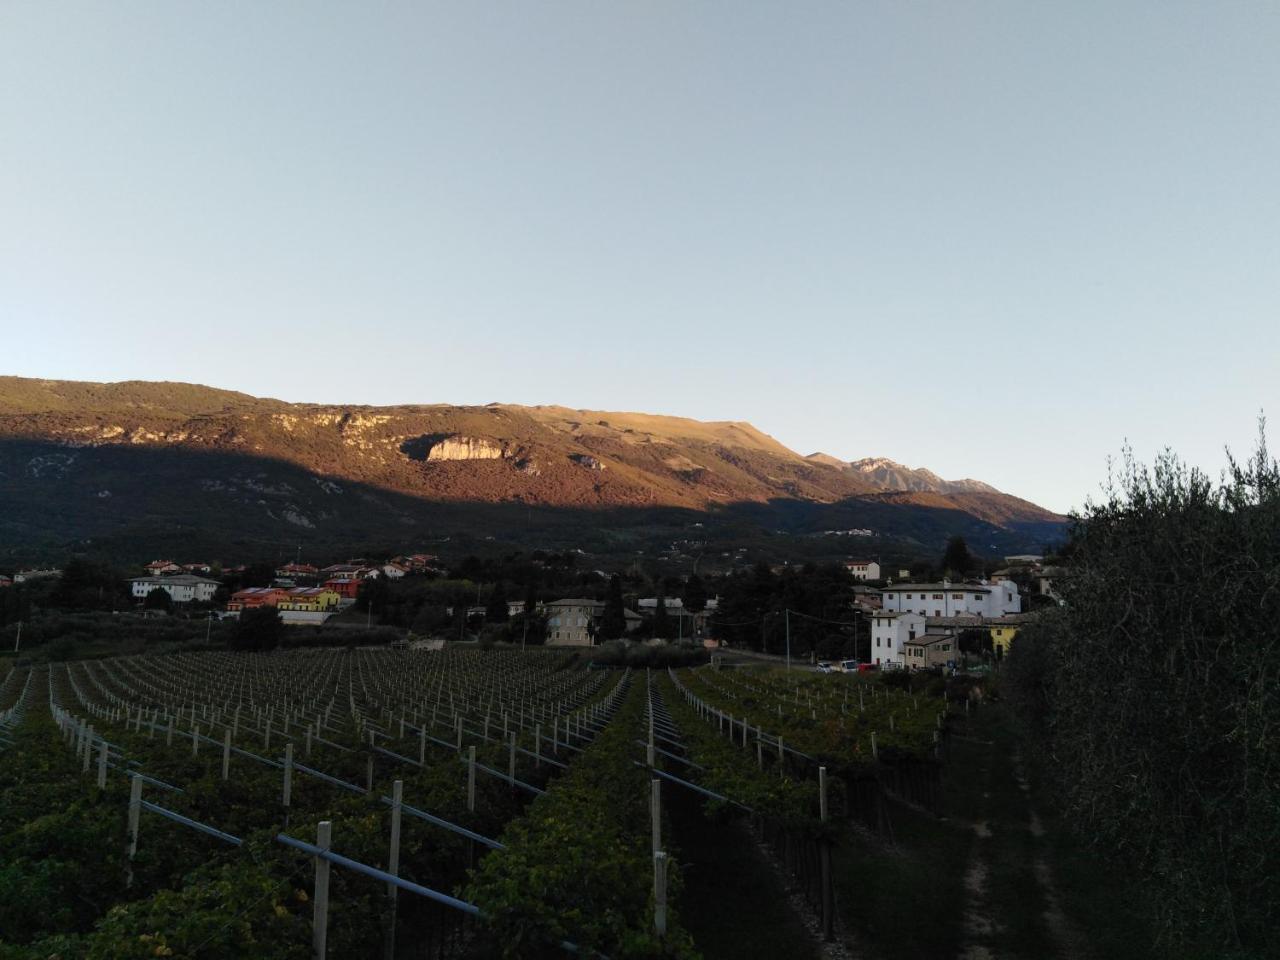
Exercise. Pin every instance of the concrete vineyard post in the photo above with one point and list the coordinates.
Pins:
(320, 900)
(135, 812)
(660, 894)
(824, 853)
(287, 792)
(471, 778)
(226, 754)
(102, 765)
(393, 864)
(655, 812)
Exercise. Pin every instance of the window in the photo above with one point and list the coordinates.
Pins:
(908, 596)
(877, 641)
(937, 596)
(957, 596)
(977, 596)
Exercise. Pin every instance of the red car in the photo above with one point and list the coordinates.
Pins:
(867, 667)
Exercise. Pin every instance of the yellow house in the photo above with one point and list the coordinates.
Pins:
(1001, 636)
(314, 599)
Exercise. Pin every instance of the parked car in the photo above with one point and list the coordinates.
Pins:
(867, 667)
(823, 666)
(848, 666)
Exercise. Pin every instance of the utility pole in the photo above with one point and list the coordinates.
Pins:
(787, 616)
(18, 640)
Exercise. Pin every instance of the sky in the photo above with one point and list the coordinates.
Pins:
(995, 239)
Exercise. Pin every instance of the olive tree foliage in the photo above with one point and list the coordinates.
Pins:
(1156, 692)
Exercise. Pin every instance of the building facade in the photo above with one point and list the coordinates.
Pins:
(863, 570)
(183, 588)
(889, 635)
(930, 650)
(947, 599)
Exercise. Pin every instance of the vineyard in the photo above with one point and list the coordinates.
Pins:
(388, 803)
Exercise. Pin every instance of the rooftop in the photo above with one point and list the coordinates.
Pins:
(941, 587)
(182, 579)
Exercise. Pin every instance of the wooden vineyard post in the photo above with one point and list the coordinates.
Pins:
(306, 743)
(88, 749)
(824, 853)
(537, 745)
(195, 740)
(511, 762)
(422, 747)
(320, 908)
(168, 737)
(393, 865)
(875, 753)
(135, 812)
(102, 765)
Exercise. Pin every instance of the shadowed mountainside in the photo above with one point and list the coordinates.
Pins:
(82, 460)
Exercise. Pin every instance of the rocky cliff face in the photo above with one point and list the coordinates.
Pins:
(466, 448)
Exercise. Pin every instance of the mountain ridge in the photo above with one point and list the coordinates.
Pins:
(545, 456)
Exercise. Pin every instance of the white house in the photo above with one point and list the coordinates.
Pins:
(26, 576)
(863, 570)
(571, 621)
(890, 633)
(947, 599)
(182, 588)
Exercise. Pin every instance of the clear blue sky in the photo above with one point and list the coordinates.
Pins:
(994, 239)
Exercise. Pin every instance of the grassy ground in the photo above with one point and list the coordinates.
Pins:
(733, 902)
(996, 876)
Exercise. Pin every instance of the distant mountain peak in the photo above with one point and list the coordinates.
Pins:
(890, 475)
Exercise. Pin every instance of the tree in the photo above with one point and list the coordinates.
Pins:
(957, 561)
(158, 599)
(1153, 690)
(974, 640)
(373, 592)
(661, 622)
(694, 596)
(613, 619)
(258, 629)
(496, 610)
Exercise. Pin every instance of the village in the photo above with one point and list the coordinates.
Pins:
(899, 622)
